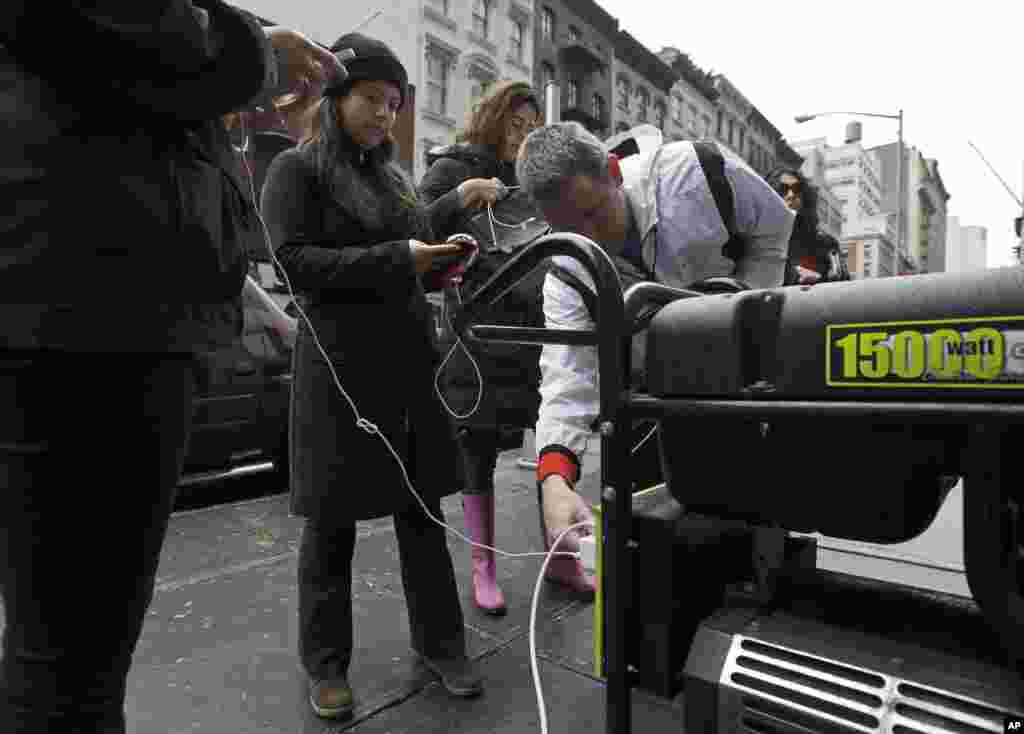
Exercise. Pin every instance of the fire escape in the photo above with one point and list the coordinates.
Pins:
(581, 99)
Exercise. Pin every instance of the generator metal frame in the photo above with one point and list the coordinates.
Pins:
(619, 406)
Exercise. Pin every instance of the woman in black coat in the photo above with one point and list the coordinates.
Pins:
(347, 225)
(814, 256)
(463, 179)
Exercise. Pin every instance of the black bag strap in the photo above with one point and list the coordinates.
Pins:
(713, 165)
(590, 298)
(571, 280)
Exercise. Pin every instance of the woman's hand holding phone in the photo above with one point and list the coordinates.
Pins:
(430, 257)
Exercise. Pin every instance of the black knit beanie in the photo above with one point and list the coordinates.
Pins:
(373, 61)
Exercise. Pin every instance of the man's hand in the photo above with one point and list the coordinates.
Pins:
(303, 64)
(564, 508)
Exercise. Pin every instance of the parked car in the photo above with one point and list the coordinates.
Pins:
(241, 404)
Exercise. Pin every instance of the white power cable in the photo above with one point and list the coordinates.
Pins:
(491, 220)
(476, 367)
(362, 423)
(541, 707)
(645, 439)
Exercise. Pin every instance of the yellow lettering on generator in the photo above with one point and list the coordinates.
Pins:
(947, 353)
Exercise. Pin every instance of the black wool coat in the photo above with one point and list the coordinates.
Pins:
(356, 281)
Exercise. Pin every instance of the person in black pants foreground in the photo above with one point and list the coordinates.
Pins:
(348, 231)
(112, 115)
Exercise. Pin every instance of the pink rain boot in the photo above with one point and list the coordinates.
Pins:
(479, 513)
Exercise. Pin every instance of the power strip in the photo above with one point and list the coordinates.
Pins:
(588, 553)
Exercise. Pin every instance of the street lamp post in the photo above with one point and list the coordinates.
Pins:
(900, 205)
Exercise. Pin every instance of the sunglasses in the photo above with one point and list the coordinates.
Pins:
(782, 188)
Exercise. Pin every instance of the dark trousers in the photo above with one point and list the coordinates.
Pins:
(325, 592)
(91, 448)
(479, 448)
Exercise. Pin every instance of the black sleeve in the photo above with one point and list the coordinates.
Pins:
(292, 210)
(189, 61)
(828, 246)
(438, 192)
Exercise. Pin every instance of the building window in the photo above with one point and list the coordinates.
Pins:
(732, 129)
(547, 24)
(437, 80)
(740, 147)
(707, 125)
(547, 76)
(516, 42)
(441, 6)
(574, 34)
(643, 101)
(598, 108)
(718, 130)
(481, 17)
(659, 115)
(624, 89)
(573, 96)
(677, 109)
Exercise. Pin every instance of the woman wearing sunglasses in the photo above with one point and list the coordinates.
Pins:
(814, 256)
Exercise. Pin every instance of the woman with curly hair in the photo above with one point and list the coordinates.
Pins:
(462, 180)
(814, 255)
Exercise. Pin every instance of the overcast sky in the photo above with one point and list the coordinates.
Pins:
(956, 69)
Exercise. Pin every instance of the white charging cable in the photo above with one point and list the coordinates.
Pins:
(644, 440)
(472, 361)
(362, 423)
(492, 221)
(534, 669)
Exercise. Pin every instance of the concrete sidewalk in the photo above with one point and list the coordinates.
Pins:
(218, 650)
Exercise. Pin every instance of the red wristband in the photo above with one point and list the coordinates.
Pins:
(555, 462)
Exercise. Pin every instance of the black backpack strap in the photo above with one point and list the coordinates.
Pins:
(713, 165)
(571, 280)
(626, 148)
(590, 298)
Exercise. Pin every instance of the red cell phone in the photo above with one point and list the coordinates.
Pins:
(447, 271)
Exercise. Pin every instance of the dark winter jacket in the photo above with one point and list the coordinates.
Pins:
(351, 266)
(511, 373)
(124, 217)
(447, 167)
(818, 251)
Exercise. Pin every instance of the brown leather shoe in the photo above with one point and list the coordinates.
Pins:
(459, 676)
(331, 699)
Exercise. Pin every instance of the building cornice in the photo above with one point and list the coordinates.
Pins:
(644, 62)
